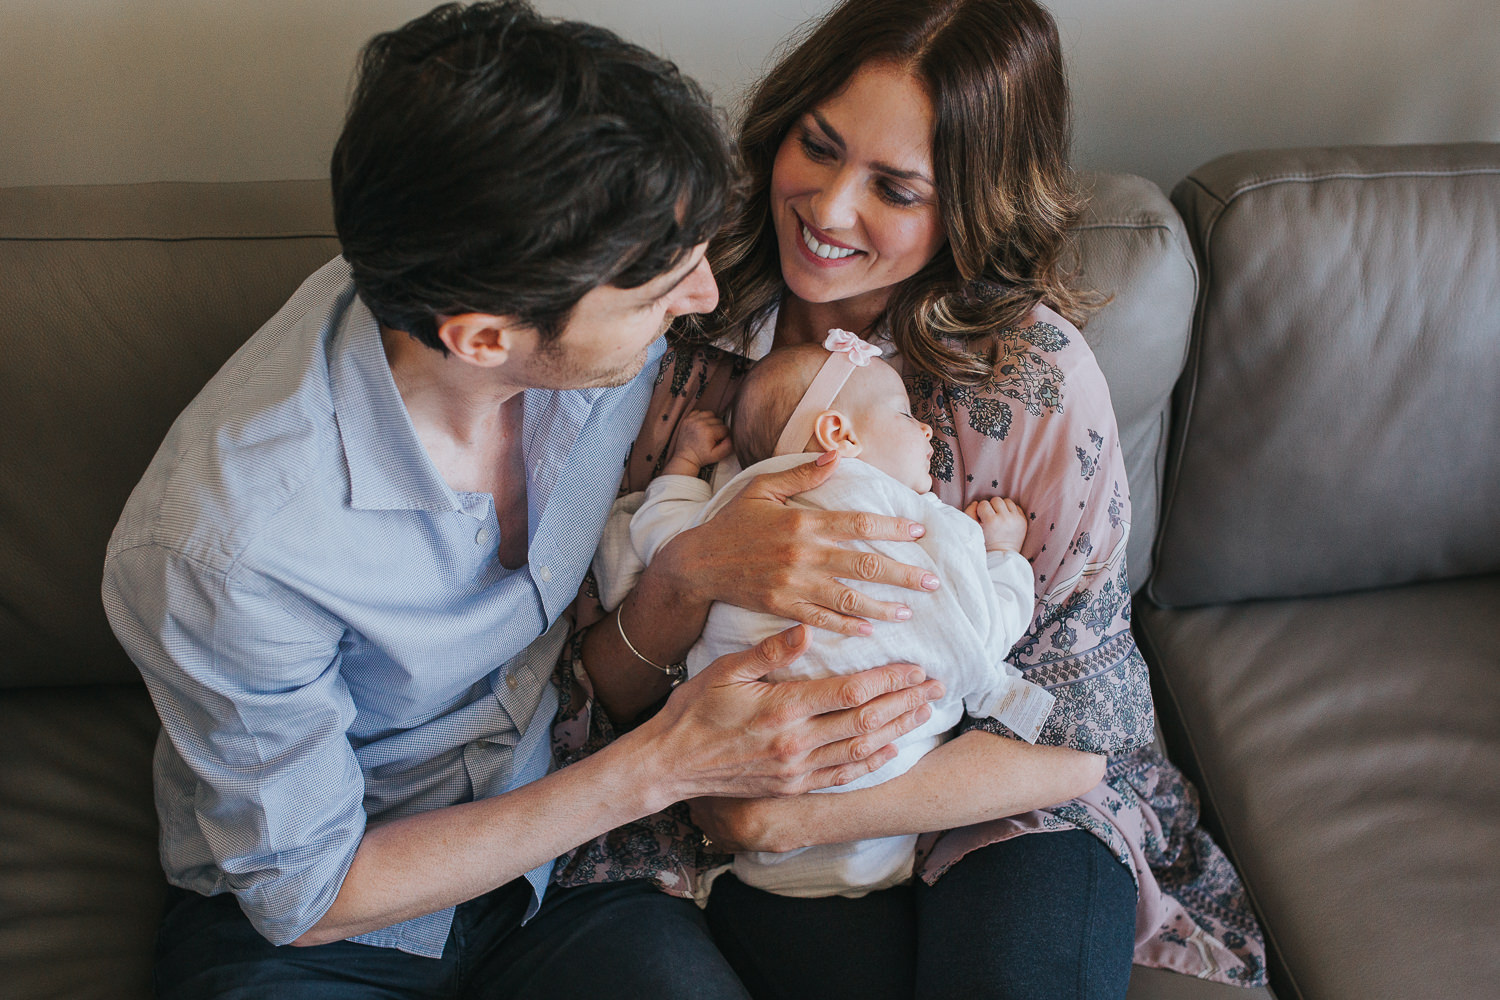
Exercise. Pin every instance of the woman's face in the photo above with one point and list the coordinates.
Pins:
(853, 197)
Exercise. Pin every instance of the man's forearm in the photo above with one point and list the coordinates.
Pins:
(423, 863)
(725, 732)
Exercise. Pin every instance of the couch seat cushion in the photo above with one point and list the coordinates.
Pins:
(1350, 748)
(80, 887)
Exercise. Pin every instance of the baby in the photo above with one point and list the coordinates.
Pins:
(794, 405)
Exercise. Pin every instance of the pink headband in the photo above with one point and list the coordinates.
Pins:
(847, 352)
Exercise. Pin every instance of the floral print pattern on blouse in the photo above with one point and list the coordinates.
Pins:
(1041, 431)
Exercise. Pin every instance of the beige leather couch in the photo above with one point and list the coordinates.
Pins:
(1338, 316)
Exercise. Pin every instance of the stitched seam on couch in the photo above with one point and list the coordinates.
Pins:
(1124, 224)
(1348, 175)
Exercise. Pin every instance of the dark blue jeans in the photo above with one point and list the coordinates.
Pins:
(1049, 916)
(624, 940)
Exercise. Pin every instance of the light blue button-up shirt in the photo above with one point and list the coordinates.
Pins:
(324, 624)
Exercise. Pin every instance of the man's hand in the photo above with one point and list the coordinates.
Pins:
(759, 553)
(730, 732)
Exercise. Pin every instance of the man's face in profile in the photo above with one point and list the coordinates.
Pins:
(610, 329)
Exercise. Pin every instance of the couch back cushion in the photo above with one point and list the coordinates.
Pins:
(117, 304)
(1338, 420)
(1133, 247)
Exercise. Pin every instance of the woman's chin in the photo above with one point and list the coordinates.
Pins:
(815, 287)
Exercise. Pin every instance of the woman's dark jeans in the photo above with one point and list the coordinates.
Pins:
(625, 940)
(1049, 916)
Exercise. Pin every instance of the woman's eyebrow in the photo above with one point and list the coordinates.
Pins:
(884, 168)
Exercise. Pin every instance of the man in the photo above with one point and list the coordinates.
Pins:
(344, 574)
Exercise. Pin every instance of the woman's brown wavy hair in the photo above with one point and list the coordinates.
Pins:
(994, 72)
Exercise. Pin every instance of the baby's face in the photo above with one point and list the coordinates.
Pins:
(892, 440)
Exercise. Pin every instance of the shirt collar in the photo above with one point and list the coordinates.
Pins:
(764, 335)
(389, 469)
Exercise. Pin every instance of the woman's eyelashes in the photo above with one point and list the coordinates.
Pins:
(816, 151)
(889, 191)
(897, 195)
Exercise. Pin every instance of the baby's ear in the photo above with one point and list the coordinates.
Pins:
(835, 432)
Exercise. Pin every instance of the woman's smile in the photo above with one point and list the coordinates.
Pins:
(853, 198)
(823, 247)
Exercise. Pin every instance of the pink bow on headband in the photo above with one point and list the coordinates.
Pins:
(858, 351)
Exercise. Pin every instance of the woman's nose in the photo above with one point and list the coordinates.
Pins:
(834, 206)
(927, 430)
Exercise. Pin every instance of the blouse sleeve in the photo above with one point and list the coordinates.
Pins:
(1042, 431)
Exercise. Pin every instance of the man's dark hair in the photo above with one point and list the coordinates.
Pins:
(496, 161)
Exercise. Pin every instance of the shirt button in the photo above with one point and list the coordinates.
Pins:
(511, 682)
(545, 573)
(481, 536)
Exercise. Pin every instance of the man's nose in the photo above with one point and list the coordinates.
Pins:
(698, 293)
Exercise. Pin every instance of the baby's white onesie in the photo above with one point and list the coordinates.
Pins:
(960, 634)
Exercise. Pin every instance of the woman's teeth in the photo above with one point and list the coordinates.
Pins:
(824, 250)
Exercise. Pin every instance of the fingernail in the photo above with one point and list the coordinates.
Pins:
(916, 676)
(918, 530)
(929, 582)
(826, 457)
(793, 637)
(923, 714)
(865, 628)
(902, 614)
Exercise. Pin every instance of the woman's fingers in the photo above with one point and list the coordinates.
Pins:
(839, 526)
(759, 553)
(789, 482)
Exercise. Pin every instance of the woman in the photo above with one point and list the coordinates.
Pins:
(906, 178)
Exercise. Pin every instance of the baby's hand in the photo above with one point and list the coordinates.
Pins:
(1003, 522)
(702, 439)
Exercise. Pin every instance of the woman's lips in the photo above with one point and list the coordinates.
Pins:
(818, 249)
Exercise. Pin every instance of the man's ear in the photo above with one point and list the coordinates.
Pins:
(835, 432)
(483, 339)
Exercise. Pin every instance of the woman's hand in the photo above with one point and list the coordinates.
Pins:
(733, 825)
(730, 732)
(759, 553)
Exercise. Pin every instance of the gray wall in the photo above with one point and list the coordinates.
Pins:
(129, 90)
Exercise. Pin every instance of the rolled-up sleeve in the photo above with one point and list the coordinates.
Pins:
(264, 795)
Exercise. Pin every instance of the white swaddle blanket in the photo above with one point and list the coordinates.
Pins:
(960, 634)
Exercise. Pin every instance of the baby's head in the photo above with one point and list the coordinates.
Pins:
(869, 418)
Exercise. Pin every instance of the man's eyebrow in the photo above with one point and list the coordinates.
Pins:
(884, 168)
(680, 278)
